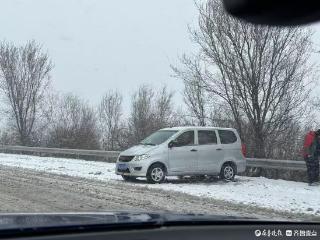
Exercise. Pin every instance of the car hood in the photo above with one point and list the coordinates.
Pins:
(51, 220)
(139, 150)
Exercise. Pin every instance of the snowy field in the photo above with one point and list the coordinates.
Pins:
(278, 195)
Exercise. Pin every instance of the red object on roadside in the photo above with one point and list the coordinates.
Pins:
(308, 140)
(244, 149)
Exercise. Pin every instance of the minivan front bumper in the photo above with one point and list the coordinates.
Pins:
(135, 169)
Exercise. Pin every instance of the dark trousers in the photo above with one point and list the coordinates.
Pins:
(312, 169)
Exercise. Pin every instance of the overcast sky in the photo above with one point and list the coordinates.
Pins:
(97, 45)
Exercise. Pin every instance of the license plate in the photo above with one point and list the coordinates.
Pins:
(122, 166)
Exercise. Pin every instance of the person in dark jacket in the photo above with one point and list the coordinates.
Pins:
(311, 156)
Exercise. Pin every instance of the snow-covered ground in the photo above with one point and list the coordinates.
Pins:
(279, 195)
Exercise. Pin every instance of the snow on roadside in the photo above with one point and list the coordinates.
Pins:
(279, 195)
(63, 166)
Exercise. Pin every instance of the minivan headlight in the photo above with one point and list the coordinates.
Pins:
(141, 157)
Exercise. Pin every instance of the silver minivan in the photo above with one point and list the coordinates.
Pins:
(184, 151)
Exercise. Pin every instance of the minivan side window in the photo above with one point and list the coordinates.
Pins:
(185, 139)
(206, 137)
(227, 137)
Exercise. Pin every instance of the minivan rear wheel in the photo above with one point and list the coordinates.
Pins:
(156, 173)
(228, 172)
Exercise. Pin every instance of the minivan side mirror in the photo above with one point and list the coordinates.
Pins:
(172, 144)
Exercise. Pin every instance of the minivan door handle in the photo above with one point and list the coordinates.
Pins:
(219, 149)
(193, 150)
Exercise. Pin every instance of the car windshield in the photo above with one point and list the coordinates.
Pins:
(157, 106)
(158, 137)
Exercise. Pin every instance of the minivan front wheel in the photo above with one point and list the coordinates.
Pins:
(156, 173)
(228, 172)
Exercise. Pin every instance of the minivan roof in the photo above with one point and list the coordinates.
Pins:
(197, 128)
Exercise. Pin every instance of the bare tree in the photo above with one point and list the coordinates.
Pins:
(110, 112)
(46, 117)
(162, 108)
(75, 125)
(194, 94)
(221, 115)
(140, 120)
(261, 72)
(24, 76)
(150, 111)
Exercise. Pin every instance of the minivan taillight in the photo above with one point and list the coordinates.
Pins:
(243, 149)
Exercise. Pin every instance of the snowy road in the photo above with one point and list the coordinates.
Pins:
(30, 183)
(25, 190)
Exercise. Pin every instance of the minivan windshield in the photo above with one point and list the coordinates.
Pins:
(158, 137)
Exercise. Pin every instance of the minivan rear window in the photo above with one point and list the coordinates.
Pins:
(207, 137)
(227, 137)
